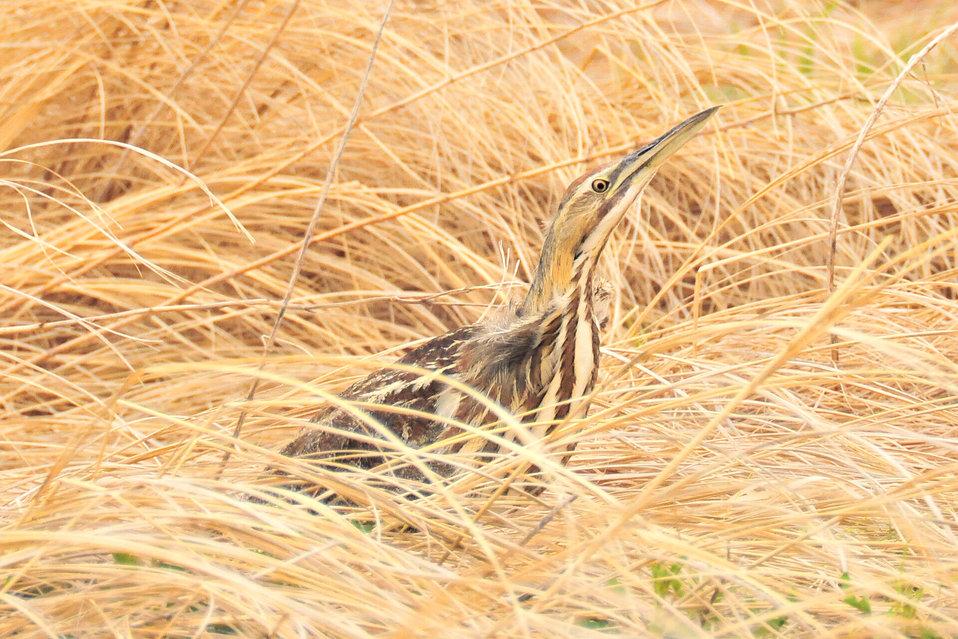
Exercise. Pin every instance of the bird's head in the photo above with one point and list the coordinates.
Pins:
(593, 205)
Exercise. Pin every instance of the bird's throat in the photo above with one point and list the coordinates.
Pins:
(559, 272)
(552, 280)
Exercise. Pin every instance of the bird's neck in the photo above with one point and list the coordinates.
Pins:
(558, 275)
(569, 349)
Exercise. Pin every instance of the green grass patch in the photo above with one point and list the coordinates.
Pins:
(860, 603)
(665, 579)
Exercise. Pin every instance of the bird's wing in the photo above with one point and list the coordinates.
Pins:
(390, 388)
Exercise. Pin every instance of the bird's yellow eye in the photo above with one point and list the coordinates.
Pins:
(600, 185)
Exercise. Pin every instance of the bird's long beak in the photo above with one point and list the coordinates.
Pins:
(642, 163)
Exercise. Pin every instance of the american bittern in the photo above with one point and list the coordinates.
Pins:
(539, 361)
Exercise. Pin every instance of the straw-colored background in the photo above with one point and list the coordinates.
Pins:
(134, 313)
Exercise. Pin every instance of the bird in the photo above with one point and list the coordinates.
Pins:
(538, 359)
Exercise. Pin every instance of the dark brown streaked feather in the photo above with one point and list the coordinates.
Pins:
(440, 354)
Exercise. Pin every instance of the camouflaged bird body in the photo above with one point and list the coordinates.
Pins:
(512, 361)
(539, 361)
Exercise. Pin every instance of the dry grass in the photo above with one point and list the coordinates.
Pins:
(726, 453)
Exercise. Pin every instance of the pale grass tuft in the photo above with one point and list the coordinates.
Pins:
(731, 480)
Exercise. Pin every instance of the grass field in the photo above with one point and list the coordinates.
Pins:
(772, 449)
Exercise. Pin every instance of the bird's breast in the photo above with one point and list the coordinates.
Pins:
(570, 370)
(586, 355)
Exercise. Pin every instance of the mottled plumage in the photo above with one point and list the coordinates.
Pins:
(514, 361)
(539, 359)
